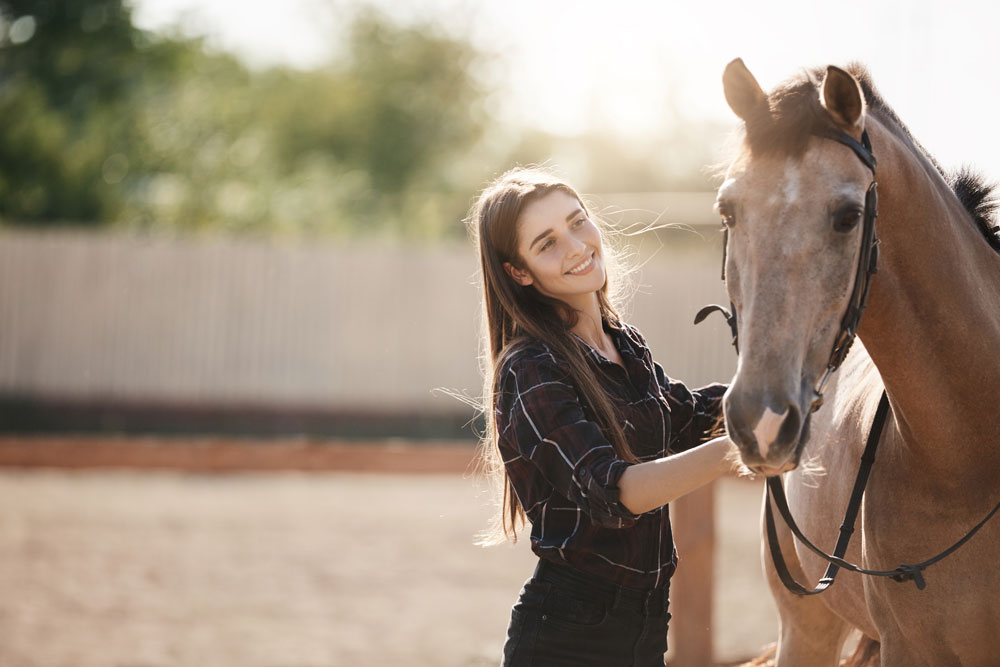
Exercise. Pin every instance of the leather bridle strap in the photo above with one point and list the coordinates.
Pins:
(776, 491)
(905, 572)
(863, 149)
(867, 263)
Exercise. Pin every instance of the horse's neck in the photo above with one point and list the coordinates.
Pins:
(933, 322)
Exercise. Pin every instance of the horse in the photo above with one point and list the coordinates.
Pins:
(792, 204)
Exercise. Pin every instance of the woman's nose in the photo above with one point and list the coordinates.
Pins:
(576, 247)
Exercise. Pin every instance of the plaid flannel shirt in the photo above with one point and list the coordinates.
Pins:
(565, 471)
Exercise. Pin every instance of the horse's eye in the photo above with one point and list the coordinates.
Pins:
(728, 219)
(847, 219)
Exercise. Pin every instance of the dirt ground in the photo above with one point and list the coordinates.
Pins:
(288, 569)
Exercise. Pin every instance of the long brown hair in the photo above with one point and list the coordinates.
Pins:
(515, 314)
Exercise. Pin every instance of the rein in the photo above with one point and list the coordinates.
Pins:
(867, 267)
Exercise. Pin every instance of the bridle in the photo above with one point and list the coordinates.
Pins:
(866, 268)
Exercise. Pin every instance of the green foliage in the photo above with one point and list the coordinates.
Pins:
(104, 124)
(50, 162)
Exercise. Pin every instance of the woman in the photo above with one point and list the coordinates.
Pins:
(587, 437)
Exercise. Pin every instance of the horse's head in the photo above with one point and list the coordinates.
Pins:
(793, 203)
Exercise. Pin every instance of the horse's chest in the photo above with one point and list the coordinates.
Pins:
(955, 619)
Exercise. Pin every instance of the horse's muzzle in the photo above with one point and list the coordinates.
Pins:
(769, 433)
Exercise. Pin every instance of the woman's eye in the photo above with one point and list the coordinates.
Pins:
(546, 245)
(578, 222)
(845, 221)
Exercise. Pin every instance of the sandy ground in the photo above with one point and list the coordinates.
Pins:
(157, 569)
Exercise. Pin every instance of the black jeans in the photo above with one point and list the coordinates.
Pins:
(567, 617)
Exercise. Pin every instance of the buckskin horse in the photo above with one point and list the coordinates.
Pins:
(819, 155)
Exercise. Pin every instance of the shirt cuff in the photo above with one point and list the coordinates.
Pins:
(606, 508)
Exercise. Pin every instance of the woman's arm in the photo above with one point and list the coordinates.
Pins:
(646, 486)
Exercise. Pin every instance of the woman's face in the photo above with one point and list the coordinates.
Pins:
(561, 250)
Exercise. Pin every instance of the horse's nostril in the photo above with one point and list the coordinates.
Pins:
(738, 423)
(759, 429)
(776, 429)
(791, 426)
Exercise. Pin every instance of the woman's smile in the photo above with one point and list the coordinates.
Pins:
(584, 267)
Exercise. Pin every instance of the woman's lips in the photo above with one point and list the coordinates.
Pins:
(583, 268)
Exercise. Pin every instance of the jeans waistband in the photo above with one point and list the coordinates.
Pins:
(652, 601)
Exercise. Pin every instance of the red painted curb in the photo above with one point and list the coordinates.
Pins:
(221, 455)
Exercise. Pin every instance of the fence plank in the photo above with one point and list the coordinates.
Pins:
(693, 518)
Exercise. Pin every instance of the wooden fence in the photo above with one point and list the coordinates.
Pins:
(362, 329)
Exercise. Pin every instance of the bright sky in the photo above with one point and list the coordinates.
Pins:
(566, 65)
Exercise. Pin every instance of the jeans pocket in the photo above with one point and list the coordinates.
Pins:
(525, 616)
(572, 611)
(532, 597)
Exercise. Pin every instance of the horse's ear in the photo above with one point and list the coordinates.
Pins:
(743, 93)
(842, 98)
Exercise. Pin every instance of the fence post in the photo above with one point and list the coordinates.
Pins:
(693, 519)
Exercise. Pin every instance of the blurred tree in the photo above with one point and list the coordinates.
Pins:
(105, 123)
(63, 66)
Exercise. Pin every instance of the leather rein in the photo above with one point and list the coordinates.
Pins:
(867, 267)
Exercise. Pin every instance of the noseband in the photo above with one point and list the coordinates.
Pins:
(867, 267)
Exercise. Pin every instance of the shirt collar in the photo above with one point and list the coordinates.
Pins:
(622, 342)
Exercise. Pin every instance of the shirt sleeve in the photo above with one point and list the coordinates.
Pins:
(694, 413)
(540, 418)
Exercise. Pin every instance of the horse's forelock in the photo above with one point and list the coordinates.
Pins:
(794, 113)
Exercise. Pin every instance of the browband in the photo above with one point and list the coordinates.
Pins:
(862, 149)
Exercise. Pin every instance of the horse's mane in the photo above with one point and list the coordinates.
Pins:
(979, 199)
(794, 114)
